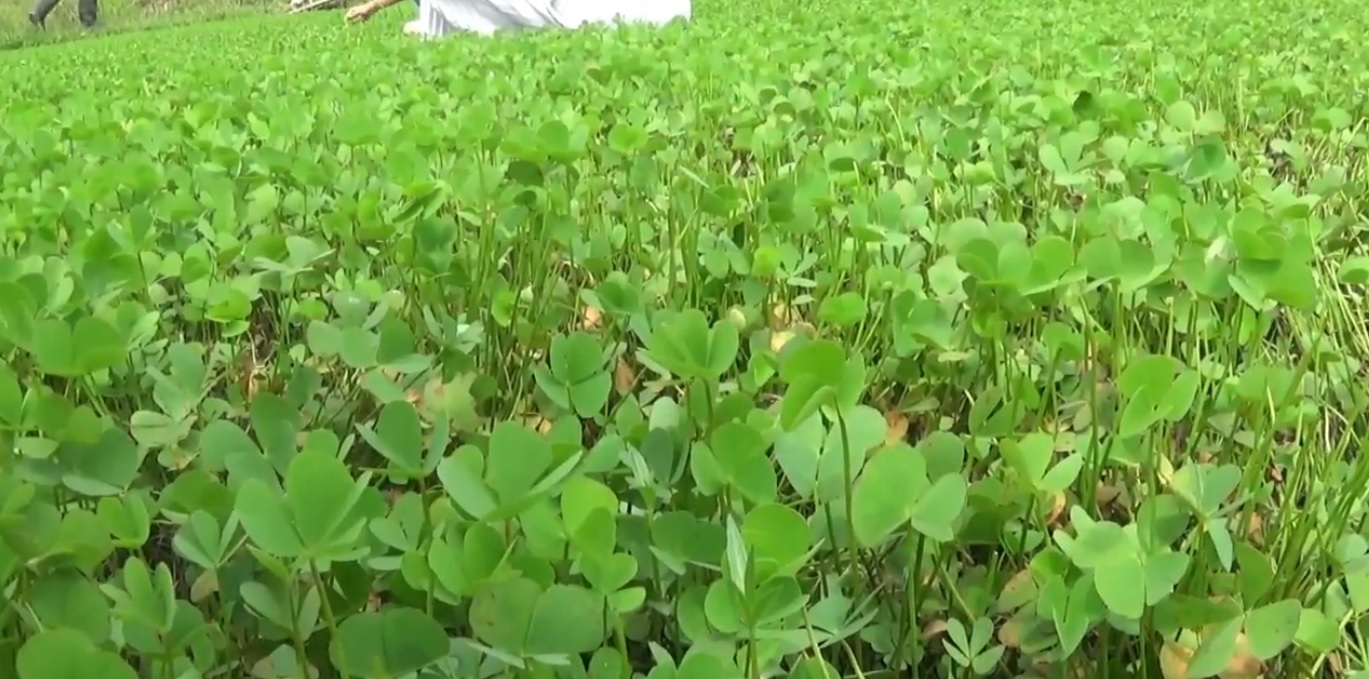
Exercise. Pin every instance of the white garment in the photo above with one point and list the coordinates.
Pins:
(437, 18)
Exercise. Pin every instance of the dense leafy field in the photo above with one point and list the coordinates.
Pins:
(812, 340)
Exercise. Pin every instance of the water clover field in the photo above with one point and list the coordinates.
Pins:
(867, 340)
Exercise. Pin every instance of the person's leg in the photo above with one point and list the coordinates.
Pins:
(530, 14)
(39, 16)
(472, 16)
(430, 22)
(89, 11)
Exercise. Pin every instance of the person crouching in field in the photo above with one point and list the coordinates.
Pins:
(437, 18)
(87, 10)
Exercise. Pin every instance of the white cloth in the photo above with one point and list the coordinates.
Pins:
(437, 18)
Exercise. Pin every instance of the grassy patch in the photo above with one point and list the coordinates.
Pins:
(117, 16)
(807, 340)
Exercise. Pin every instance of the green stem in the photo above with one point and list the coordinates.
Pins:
(620, 637)
(849, 486)
(301, 656)
(328, 616)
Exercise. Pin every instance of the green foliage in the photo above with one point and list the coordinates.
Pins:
(807, 340)
(118, 16)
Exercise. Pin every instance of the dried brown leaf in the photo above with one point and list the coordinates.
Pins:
(780, 317)
(624, 377)
(780, 338)
(1057, 508)
(1107, 493)
(896, 430)
(1010, 633)
(1243, 663)
(591, 319)
(933, 629)
(1254, 529)
(1174, 660)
